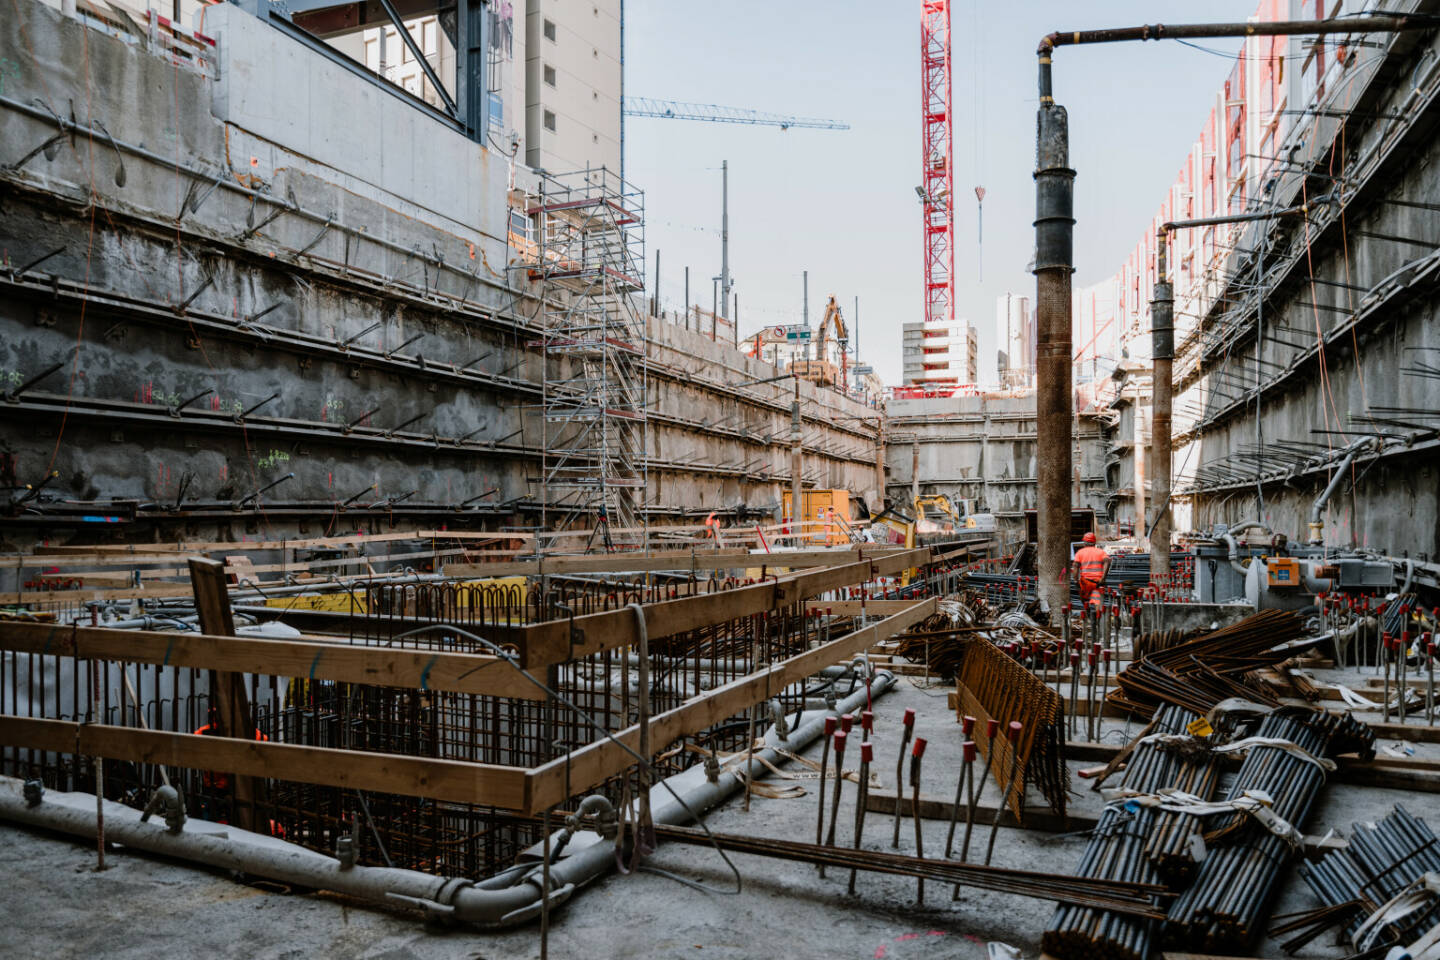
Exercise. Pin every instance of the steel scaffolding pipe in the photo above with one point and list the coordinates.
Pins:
(1054, 263)
(1162, 340)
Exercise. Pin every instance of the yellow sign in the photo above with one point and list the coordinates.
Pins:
(326, 602)
(1199, 728)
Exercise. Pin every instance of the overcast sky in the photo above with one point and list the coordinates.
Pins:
(842, 204)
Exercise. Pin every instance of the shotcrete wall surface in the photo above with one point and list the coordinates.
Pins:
(254, 263)
(984, 449)
(1347, 333)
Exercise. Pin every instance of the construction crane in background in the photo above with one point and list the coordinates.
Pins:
(937, 162)
(674, 110)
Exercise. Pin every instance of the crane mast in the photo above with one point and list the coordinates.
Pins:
(937, 163)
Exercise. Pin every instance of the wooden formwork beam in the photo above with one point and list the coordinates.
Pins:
(340, 662)
(588, 766)
(456, 781)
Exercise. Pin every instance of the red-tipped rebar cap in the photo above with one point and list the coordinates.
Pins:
(840, 736)
(992, 727)
(967, 724)
(909, 718)
(968, 751)
(830, 724)
(1105, 655)
(1074, 659)
(1013, 732)
(867, 752)
(867, 720)
(847, 721)
(918, 750)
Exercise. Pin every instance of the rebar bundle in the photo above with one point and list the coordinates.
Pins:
(1124, 847)
(999, 688)
(1199, 673)
(1222, 909)
(1380, 860)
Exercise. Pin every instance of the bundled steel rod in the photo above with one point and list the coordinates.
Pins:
(1381, 859)
(1223, 908)
(1119, 896)
(1197, 674)
(1122, 847)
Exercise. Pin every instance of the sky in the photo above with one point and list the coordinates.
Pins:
(842, 204)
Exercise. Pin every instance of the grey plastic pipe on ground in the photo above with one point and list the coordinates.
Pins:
(511, 897)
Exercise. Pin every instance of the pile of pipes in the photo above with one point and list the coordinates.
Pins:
(1278, 783)
(1200, 673)
(1365, 885)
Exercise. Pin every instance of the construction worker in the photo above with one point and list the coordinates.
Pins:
(1091, 565)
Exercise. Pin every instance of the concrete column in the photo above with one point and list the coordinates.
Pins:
(1054, 402)
(1162, 336)
(915, 470)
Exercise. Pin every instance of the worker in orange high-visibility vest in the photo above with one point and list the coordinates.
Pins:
(1091, 565)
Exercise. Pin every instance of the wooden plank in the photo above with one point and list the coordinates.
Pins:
(315, 659)
(936, 807)
(699, 559)
(592, 764)
(548, 643)
(230, 714)
(450, 780)
(853, 608)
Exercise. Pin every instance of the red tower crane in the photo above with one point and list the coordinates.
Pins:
(937, 163)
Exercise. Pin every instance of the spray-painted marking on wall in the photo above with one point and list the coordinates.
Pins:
(273, 458)
(8, 68)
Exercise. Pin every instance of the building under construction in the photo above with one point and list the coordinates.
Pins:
(388, 572)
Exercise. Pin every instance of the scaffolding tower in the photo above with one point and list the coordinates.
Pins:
(591, 269)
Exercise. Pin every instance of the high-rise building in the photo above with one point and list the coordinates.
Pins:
(1015, 335)
(939, 354)
(573, 84)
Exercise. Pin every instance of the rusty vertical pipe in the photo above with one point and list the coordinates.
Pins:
(1054, 238)
(797, 466)
(1162, 340)
(915, 475)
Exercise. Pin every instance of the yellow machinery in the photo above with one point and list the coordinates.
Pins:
(944, 519)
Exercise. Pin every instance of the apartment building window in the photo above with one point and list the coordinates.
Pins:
(549, 120)
(548, 27)
(549, 75)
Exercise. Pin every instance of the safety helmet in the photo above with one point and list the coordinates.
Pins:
(1088, 538)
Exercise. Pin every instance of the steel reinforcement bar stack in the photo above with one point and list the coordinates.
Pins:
(1199, 673)
(990, 685)
(1380, 860)
(1222, 909)
(1120, 849)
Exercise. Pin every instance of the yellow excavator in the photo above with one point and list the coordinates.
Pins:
(942, 520)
